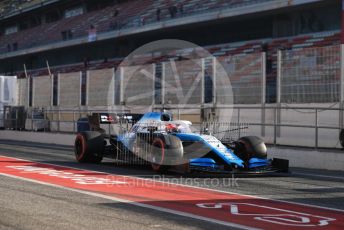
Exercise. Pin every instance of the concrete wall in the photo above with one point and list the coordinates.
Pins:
(42, 91)
(23, 92)
(46, 138)
(294, 136)
(306, 158)
(100, 87)
(69, 86)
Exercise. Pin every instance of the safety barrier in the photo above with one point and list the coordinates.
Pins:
(279, 125)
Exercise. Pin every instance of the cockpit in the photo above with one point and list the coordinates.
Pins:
(161, 122)
(178, 127)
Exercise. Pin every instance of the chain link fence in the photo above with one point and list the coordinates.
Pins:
(182, 82)
(137, 85)
(310, 75)
(247, 77)
(309, 87)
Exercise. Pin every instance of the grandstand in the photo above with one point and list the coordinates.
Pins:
(283, 58)
(9, 7)
(33, 31)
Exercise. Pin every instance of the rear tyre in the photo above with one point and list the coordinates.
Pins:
(89, 147)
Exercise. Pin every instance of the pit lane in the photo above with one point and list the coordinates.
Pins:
(313, 187)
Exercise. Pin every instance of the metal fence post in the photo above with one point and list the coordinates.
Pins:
(74, 121)
(31, 119)
(263, 93)
(341, 88)
(58, 120)
(153, 85)
(214, 72)
(278, 92)
(239, 122)
(163, 83)
(316, 129)
(202, 81)
(45, 119)
(121, 85)
(279, 76)
(16, 120)
(275, 125)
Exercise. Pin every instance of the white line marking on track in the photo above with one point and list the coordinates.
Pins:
(318, 175)
(179, 213)
(208, 189)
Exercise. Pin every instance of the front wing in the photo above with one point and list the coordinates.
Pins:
(277, 167)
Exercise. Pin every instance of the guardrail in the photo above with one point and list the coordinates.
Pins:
(54, 117)
(275, 123)
(279, 116)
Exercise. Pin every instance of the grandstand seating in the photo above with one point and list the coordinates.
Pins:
(245, 76)
(135, 13)
(78, 25)
(130, 14)
(240, 48)
(10, 6)
(187, 7)
(313, 40)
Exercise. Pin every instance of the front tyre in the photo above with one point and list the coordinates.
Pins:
(89, 147)
(250, 147)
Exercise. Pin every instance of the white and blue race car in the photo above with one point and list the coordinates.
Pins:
(167, 144)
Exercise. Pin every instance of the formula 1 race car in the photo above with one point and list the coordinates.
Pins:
(165, 144)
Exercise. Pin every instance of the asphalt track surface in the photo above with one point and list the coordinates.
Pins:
(29, 205)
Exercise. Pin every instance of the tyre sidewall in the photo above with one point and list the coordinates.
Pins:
(92, 147)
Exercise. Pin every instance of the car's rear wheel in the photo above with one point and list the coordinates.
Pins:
(89, 147)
